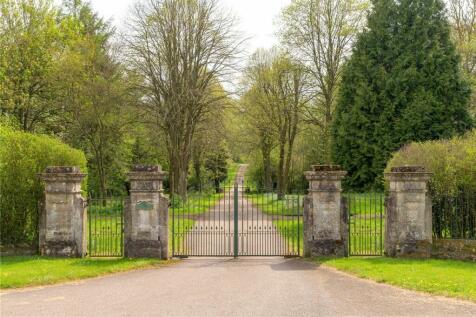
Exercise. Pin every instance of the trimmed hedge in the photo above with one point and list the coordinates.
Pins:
(452, 162)
(22, 157)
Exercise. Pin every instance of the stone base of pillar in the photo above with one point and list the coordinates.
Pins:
(144, 249)
(410, 249)
(326, 248)
(61, 249)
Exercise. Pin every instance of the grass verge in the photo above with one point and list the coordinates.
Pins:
(292, 232)
(440, 277)
(270, 204)
(22, 271)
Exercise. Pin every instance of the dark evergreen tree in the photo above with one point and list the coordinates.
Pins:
(401, 84)
(216, 165)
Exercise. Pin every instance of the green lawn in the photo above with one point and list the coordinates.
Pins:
(269, 203)
(441, 277)
(104, 235)
(366, 235)
(196, 203)
(21, 271)
(180, 229)
(292, 232)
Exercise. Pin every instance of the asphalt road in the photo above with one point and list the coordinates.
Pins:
(228, 287)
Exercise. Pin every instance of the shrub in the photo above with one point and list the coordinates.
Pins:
(452, 162)
(22, 157)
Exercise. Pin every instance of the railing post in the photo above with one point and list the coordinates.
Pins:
(62, 227)
(146, 216)
(325, 215)
(408, 213)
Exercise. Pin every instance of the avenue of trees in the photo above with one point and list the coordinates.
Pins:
(350, 82)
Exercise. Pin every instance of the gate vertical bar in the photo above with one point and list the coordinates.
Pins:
(122, 229)
(235, 221)
(90, 242)
(299, 221)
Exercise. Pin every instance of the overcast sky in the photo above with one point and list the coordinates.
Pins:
(256, 17)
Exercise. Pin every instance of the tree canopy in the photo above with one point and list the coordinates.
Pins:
(403, 83)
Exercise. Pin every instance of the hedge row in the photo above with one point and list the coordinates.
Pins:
(452, 162)
(22, 157)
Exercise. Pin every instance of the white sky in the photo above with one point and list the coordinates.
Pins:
(256, 17)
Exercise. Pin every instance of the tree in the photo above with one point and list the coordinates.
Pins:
(29, 41)
(96, 95)
(319, 34)
(209, 137)
(278, 93)
(216, 165)
(402, 84)
(462, 14)
(181, 48)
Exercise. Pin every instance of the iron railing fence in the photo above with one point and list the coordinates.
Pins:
(454, 215)
(105, 228)
(366, 214)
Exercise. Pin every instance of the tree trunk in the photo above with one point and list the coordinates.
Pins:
(282, 151)
(197, 167)
(268, 180)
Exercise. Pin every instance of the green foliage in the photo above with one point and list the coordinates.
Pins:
(452, 162)
(216, 164)
(402, 84)
(29, 41)
(441, 277)
(452, 185)
(22, 157)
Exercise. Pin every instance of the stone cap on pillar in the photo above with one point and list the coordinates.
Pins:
(66, 174)
(325, 172)
(62, 179)
(408, 173)
(146, 178)
(325, 178)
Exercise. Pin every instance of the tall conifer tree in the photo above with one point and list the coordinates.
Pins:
(401, 84)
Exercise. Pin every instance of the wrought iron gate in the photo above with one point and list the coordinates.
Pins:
(366, 223)
(106, 227)
(237, 221)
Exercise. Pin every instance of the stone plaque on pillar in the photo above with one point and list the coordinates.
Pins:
(325, 213)
(408, 213)
(62, 220)
(146, 216)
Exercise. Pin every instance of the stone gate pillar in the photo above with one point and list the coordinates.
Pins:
(408, 213)
(325, 213)
(62, 220)
(146, 214)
